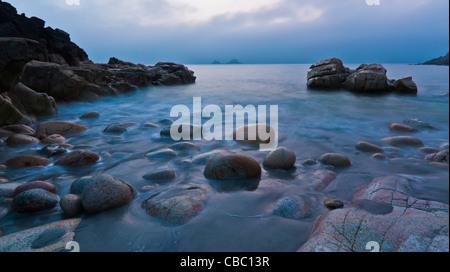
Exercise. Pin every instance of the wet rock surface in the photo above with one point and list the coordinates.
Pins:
(176, 204)
(105, 192)
(386, 212)
(228, 166)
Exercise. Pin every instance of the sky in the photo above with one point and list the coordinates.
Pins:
(252, 31)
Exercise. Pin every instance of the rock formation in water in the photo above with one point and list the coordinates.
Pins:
(438, 61)
(367, 78)
(39, 65)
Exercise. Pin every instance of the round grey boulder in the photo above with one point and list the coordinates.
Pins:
(71, 205)
(105, 192)
(280, 158)
(34, 200)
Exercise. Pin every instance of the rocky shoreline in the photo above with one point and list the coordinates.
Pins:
(40, 66)
(35, 75)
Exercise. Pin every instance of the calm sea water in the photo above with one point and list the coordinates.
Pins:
(238, 218)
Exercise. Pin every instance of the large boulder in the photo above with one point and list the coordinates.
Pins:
(55, 80)
(27, 161)
(14, 54)
(176, 204)
(367, 78)
(105, 192)
(384, 213)
(327, 74)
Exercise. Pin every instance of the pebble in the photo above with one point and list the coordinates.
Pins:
(291, 207)
(396, 127)
(53, 139)
(378, 156)
(403, 141)
(335, 159)
(162, 153)
(52, 150)
(90, 115)
(183, 146)
(368, 147)
(78, 158)
(165, 174)
(27, 161)
(21, 139)
(309, 162)
(429, 150)
(333, 203)
(149, 125)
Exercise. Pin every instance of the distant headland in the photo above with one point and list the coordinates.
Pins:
(232, 61)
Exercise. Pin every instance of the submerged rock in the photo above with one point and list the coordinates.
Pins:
(20, 139)
(53, 237)
(396, 127)
(165, 174)
(34, 200)
(52, 150)
(250, 134)
(162, 153)
(176, 204)
(20, 129)
(335, 159)
(90, 115)
(59, 127)
(280, 158)
(441, 156)
(53, 139)
(38, 184)
(229, 166)
(333, 203)
(78, 158)
(105, 192)
(291, 207)
(185, 146)
(378, 156)
(27, 161)
(368, 147)
(399, 141)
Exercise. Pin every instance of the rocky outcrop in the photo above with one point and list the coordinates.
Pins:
(56, 43)
(384, 213)
(51, 67)
(367, 78)
(438, 61)
(18, 103)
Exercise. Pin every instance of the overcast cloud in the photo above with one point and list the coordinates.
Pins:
(253, 31)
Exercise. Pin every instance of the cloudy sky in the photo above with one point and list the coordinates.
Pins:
(253, 31)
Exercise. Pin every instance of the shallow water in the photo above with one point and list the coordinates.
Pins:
(237, 216)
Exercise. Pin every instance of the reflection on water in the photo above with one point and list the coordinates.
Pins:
(237, 214)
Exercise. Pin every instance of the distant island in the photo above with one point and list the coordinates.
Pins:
(232, 61)
(438, 61)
